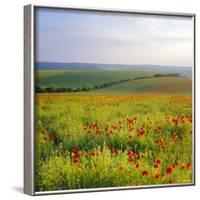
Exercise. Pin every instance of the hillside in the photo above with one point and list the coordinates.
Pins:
(152, 85)
(81, 78)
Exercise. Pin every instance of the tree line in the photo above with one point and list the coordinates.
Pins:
(55, 89)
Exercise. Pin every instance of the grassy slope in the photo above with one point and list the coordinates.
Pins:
(152, 85)
(77, 78)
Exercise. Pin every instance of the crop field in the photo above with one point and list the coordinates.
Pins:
(101, 139)
(80, 78)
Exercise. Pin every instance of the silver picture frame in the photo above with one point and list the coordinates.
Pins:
(29, 100)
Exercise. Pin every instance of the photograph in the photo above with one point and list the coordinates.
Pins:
(113, 99)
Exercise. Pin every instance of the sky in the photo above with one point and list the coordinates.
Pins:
(112, 38)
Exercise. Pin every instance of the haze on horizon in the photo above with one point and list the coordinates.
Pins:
(111, 38)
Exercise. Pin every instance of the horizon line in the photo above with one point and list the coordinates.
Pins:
(112, 63)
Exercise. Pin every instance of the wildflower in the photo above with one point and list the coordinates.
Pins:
(75, 160)
(73, 151)
(78, 149)
(175, 165)
(93, 154)
(76, 156)
(158, 161)
(116, 150)
(188, 166)
(156, 166)
(51, 137)
(170, 181)
(145, 172)
(157, 176)
(137, 165)
(182, 167)
(45, 139)
(169, 170)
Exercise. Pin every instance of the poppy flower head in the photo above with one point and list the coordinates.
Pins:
(156, 166)
(145, 172)
(51, 137)
(157, 176)
(75, 160)
(137, 165)
(170, 181)
(158, 161)
(188, 166)
(169, 170)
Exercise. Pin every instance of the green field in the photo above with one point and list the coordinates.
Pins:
(77, 78)
(162, 85)
(134, 133)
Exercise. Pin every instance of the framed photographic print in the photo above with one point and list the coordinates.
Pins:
(109, 99)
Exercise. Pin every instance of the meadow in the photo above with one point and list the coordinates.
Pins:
(134, 133)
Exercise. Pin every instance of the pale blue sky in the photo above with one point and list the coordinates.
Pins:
(95, 37)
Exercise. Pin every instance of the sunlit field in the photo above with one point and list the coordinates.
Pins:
(94, 140)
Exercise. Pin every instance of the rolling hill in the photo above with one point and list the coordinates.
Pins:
(81, 78)
(164, 85)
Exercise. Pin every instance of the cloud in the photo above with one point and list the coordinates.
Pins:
(113, 38)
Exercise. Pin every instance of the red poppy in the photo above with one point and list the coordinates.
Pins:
(188, 166)
(157, 176)
(175, 165)
(170, 181)
(137, 166)
(51, 137)
(129, 153)
(72, 150)
(78, 149)
(75, 160)
(158, 161)
(182, 167)
(76, 156)
(92, 153)
(156, 166)
(131, 160)
(169, 170)
(116, 150)
(145, 172)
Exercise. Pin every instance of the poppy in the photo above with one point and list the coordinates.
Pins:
(137, 166)
(175, 165)
(169, 170)
(116, 150)
(76, 156)
(188, 166)
(170, 181)
(75, 160)
(51, 137)
(157, 176)
(156, 166)
(182, 167)
(158, 161)
(145, 172)
(72, 150)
